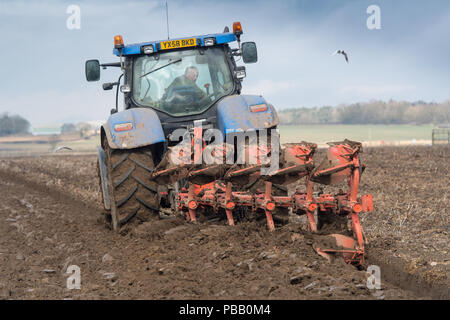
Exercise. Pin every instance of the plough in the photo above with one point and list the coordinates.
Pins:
(222, 196)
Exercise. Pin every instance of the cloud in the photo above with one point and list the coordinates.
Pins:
(376, 90)
(41, 107)
(407, 59)
(269, 87)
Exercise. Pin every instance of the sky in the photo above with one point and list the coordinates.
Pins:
(406, 59)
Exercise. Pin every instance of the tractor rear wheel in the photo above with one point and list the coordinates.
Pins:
(133, 195)
(106, 212)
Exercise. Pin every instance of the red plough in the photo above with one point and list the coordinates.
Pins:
(227, 193)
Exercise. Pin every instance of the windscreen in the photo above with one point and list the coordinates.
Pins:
(182, 82)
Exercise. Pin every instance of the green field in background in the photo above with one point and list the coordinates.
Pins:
(18, 149)
(319, 134)
(326, 133)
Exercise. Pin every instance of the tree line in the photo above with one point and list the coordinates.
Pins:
(17, 125)
(373, 112)
(13, 125)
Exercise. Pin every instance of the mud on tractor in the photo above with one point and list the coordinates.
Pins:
(188, 143)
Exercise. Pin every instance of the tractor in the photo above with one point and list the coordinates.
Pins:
(189, 144)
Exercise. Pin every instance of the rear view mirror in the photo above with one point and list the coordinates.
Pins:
(249, 52)
(92, 70)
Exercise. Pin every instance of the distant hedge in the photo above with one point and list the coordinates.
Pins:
(13, 125)
(68, 128)
(374, 112)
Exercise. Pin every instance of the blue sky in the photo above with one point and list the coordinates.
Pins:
(407, 59)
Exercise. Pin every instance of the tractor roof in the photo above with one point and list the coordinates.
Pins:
(161, 45)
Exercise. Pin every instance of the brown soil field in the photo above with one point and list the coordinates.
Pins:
(51, 218)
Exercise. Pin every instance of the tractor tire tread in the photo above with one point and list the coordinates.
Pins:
(134, 198)
(125, 176)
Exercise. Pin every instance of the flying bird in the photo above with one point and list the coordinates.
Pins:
(341, 52)
(61, 148)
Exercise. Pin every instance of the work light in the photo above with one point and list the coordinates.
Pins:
(147, 49)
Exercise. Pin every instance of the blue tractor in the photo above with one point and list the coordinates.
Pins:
(167, 85)
(194, 84)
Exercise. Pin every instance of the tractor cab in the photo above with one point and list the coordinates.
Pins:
(182, 82)
(179, 78)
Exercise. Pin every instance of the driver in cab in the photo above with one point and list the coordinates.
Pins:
(185, 82)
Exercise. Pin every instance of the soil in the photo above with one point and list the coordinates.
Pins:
(51, 218)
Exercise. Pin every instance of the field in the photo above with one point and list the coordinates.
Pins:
(370, 135)
(386, 133)
(26, 149)
(51, 218)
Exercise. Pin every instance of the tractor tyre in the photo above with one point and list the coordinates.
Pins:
(106, 212)
(133, 195)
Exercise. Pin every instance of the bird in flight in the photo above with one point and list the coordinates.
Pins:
(341, 52)
(61, 148)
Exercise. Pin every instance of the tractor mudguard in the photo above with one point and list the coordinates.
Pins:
(245, 112)
(133, 128)
(103, 178)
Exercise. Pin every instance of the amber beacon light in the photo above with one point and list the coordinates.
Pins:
(118, 42)
(237, 28)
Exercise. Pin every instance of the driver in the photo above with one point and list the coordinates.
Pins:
(188, 79)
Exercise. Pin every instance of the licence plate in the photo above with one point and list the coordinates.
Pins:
(174, 44)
